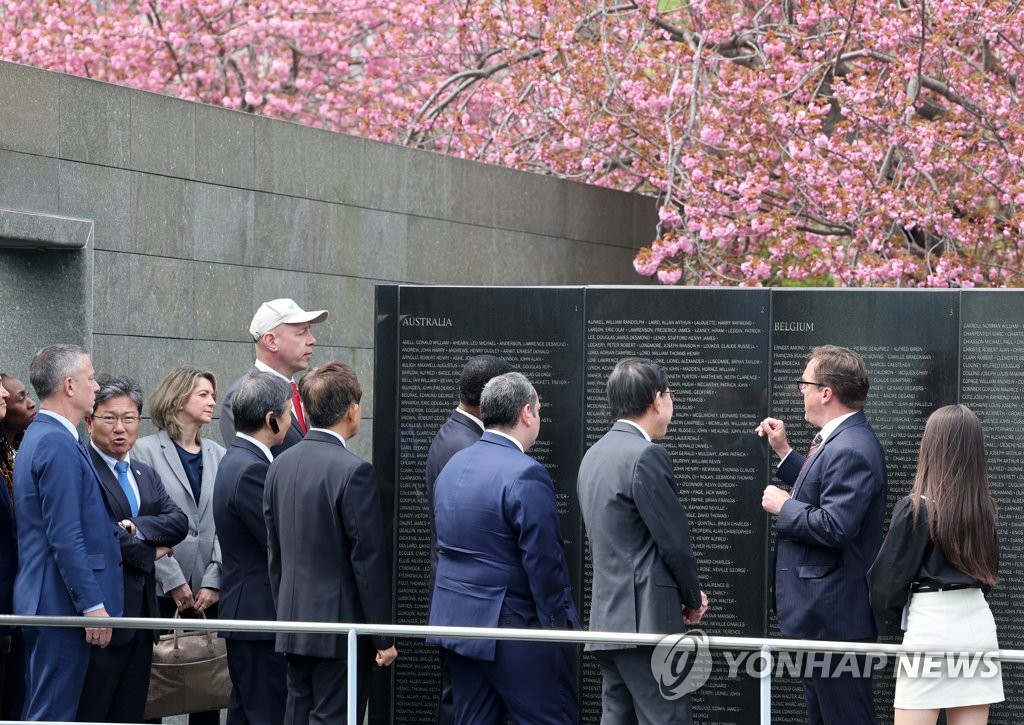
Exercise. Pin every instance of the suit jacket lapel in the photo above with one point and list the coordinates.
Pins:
(109, 481)
(172, 460)
(855, 419)
(209, 476)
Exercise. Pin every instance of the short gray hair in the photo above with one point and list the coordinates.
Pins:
(502, 399)
(52, 365)
(259, 393)
(113, 387)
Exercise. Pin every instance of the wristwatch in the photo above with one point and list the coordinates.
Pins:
(128, 525)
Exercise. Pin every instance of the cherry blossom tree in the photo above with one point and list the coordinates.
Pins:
(857, 142)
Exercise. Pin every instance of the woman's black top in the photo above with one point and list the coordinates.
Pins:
(193, 465)
(909, 561)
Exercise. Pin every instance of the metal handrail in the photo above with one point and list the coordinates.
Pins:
(765, 645)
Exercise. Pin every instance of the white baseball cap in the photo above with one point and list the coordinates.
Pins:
(281, 312)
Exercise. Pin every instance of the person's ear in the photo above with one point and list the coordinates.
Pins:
(270, 420)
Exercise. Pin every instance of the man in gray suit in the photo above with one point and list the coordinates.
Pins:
(327, 550)
(282, 333)
(645, 575)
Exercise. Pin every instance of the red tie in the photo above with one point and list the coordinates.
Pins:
(297, 407)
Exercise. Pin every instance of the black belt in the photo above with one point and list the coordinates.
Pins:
(918, 588)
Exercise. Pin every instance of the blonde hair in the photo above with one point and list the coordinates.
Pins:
(172, 394)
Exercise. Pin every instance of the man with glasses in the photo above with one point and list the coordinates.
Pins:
(645, 574)
(829, 530)
(150, 523)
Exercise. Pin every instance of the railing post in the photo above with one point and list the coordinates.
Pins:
(766, 686)
(352, 698)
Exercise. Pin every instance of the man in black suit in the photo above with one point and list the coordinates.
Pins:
(150, 523)
(462, 429)
(263, 412)
(284, 342)
(327, 549)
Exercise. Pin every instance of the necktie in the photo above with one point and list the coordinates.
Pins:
(815, 445)
(297, 407)
(122, 478)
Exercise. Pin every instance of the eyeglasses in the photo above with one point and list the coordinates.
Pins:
(108, 419)
(801, 385)
(670, 394)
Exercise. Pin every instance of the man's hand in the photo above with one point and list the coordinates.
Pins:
(162, 551)
(98, 636)
(693, 616)
(386, 656)
(206, 599)
(772, 499)
(182, 596)
(775, 430)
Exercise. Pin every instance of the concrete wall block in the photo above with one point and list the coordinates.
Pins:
(151, 359)
(383, 244)
(428, 184)
(162, 297)
(110, 354)
(95, 122)
(162, 216)
(332, 238)
(102, 194)
(302, 161)
(45, 300)
(219, 313)
(473, 193)
(224, 219)
(163, 135)
(282, 228)
(441, 252)
(29, 111)
(28, 183)
(111, 289)
(598, 215)
(385, 183)
(225, 147)
(645, 221)
(272, 284)
(350, 302)
(529, 203)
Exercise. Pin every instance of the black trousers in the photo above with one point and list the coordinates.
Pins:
(259, 682)
(117, 681)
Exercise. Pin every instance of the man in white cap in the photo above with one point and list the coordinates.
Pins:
(284, 344)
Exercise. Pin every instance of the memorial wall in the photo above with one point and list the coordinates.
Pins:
(733, 356)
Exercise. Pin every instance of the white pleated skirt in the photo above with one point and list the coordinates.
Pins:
(954, 620)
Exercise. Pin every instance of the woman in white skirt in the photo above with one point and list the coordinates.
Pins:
(937, 563)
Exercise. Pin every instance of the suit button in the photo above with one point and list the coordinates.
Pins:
(193, 533)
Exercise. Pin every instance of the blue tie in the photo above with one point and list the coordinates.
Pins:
(122, 478)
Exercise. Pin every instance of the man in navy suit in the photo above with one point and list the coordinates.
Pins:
(67, 540)
(150, 524)
(263, 415)
(829, 529)
(462, 429)
(501, 563)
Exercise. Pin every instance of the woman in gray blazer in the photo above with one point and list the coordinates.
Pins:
(188, 581)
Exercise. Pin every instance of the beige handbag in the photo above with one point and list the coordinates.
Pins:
(189, 674)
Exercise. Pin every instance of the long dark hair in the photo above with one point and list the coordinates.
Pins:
(952, 485)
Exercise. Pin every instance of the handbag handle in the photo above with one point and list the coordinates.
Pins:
(174, 632)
